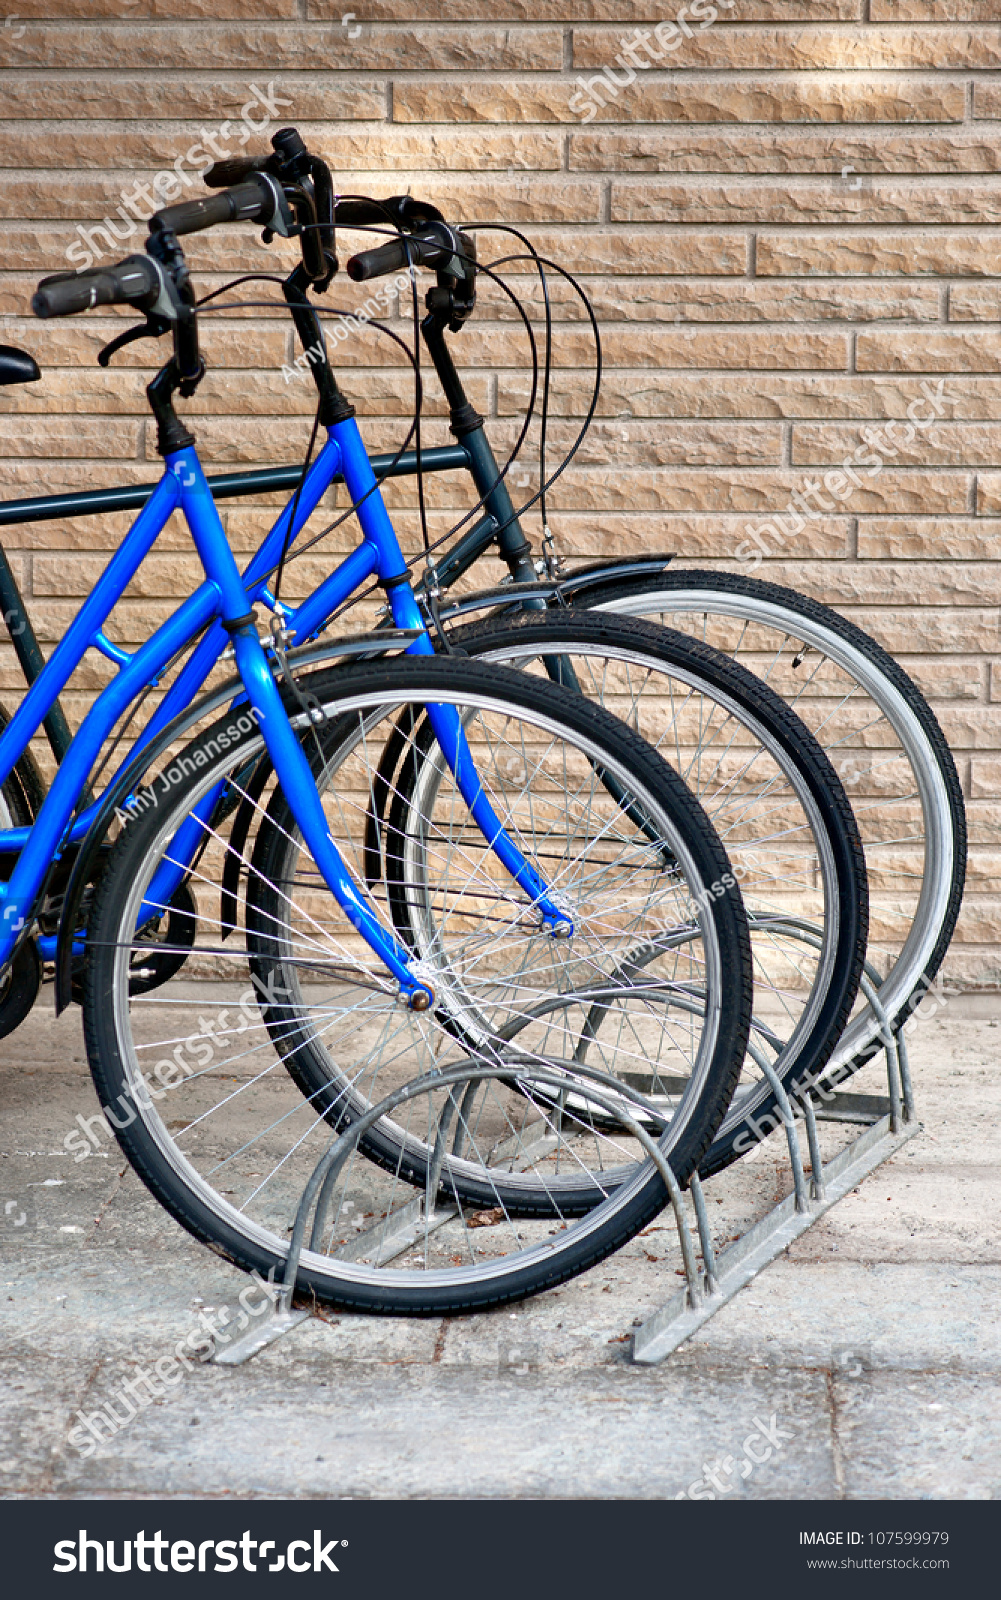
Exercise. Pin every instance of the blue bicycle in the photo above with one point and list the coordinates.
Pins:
(526, 908)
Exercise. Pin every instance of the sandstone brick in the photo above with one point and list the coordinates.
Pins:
(928, 351)
(928, 630)
(975, 302)
(158, 145)
(226, 391)
(987, 99)
(983, 817)
(945, 443)
(969, 727)
(617, 11)
(933, 11)
(503, 344)
(692, 535)
(947, 678)
(67, 436)
(878, 254)
(800, 151)
(41, 246)
(722, 99)
(988, 494)
(736, 394)
(886, 583)
(143, 10)
(973, 969)
(119, 97)
(101, 534)
(271, 47)
(738, 347)
(807, 201)
(651, 299)
(753, 491)
(995, 680)
(662, 251)
(258, 441)
(76, 342)
(159, 575)
(660, 444)
(980, 923)
(94, 197)
(930, 538)
(810, 48)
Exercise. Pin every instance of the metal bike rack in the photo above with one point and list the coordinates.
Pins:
(889, 1122)
(430, 1210)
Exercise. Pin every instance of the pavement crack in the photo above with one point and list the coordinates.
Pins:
(106, 1202)
(439, 1344)
(46, 1483)
(837, 1452)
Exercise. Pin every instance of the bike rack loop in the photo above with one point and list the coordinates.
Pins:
(889, 1124)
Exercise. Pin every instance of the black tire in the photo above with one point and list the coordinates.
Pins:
(148, 1141)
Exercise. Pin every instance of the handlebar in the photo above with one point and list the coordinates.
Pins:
(393, 257)
(134, 281)
(222, 173)
(254, 201)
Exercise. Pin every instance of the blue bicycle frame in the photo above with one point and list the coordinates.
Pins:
(223, 602)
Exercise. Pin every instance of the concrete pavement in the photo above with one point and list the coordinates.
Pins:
(864, 1363)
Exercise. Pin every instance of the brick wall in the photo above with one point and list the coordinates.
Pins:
(785, 225)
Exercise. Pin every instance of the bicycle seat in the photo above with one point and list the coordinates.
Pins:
(16, 366)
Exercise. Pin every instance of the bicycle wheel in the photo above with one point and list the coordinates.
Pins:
(226, 1138)
(882, 738)
(773, 797)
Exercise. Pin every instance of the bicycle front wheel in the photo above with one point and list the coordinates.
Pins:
(203, 1076)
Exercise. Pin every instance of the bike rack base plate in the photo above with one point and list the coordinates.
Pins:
(275, 1326)
(678, 1319)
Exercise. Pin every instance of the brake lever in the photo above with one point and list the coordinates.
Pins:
(153, 328)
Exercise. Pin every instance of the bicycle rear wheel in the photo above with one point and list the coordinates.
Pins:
(885, 743)
(203, 1083)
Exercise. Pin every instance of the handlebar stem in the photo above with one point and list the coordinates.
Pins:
(333, 406)
(163, 247)
(171, 434)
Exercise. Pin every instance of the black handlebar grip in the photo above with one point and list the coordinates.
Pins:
(389, 257)
(246, 202)
(133, 281)
(376, 263)
(223, 173)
